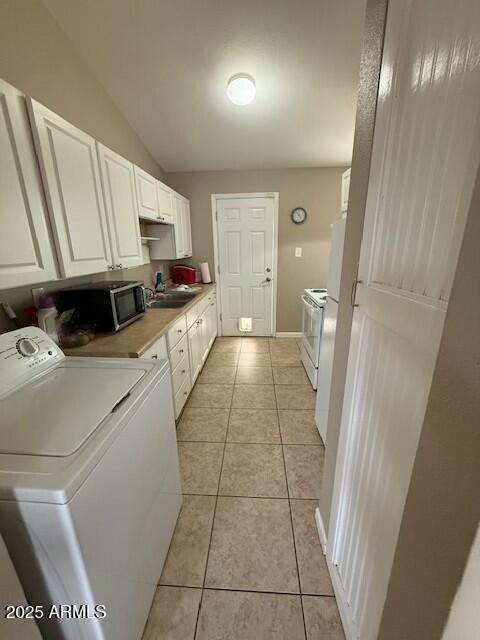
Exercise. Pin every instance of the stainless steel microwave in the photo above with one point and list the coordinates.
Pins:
(109, 306)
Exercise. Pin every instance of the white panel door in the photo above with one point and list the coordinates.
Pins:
(69, 163)
(147, 195)
(118, 181)
(425, 157)
(26, 254)
(246, 229)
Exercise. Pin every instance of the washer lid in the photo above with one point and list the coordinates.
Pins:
(56, 413)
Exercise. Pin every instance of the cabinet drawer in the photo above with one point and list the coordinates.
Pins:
(181, 397)
(181, 372)
(176, 333)
(158, 350)
(178, 351)
(192, 315)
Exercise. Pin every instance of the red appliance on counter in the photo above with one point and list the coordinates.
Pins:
(183, 274)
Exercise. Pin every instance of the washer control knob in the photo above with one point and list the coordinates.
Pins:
(27, 347)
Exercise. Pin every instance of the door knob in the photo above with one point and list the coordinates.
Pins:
(268, 269)
(266, 281)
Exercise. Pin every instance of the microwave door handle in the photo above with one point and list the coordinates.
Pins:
(140, 299)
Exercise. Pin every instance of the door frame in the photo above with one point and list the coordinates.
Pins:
(226, 196)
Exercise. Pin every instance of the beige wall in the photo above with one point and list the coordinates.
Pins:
(37, 58)
(317, 190)
(464, 618)
(362, 148)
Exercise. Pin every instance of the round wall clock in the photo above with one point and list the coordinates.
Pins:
(298, 215)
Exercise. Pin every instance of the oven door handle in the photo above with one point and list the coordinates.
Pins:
(310, 304)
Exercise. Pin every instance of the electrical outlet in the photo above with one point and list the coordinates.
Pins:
(298, 252)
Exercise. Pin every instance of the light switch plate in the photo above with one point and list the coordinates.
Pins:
(298, 252)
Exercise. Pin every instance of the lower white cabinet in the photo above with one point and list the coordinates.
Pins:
(196, 348)
(158, 350)
(187, 345)
(180, 398)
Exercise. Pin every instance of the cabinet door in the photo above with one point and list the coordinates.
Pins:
(187, 230)
(213, 322)
(146, 194)
(195, 349)
(203, 338)
(71, 177)
(165, 203)
(26, 254)
(118, 181)
(178, 225)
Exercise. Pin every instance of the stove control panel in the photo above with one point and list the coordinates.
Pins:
(23, 354)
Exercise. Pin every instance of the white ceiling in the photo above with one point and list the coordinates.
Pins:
(165, 63)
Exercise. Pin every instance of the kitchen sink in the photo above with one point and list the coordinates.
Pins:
(179, 295)
(167, 303)
(171, 300)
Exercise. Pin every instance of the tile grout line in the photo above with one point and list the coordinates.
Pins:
(293, 530)
(240, 590)
(225, 442)
(214, 510)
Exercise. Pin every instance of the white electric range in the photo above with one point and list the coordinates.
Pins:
(314, 301)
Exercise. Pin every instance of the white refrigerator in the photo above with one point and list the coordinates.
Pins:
(329, 326)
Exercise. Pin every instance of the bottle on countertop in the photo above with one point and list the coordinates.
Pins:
(159, 284)
(47, 316)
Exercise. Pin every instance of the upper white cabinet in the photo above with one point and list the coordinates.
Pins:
(187, 229)
(174, 241)
(165, 203)
(26, 255)
(147, 195)
(69, 164)
(345, 189)
(118, 181)
(179, 225)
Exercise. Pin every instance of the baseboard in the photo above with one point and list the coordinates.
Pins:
(288, 334)
(343, 607)
(321, 530)
(349, 626)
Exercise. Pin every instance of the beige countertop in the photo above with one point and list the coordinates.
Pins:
(132, 341)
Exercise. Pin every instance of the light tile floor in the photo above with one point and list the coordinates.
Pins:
(245, 561)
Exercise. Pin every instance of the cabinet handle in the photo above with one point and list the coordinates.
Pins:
(119, 266)
(185, 393)
(180, 351)
(111, 267)
(155, 357)
(184, 370)
(179, 331)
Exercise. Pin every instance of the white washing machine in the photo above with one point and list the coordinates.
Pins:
(89, 483)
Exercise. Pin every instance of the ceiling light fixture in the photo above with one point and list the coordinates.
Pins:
(241, 89)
